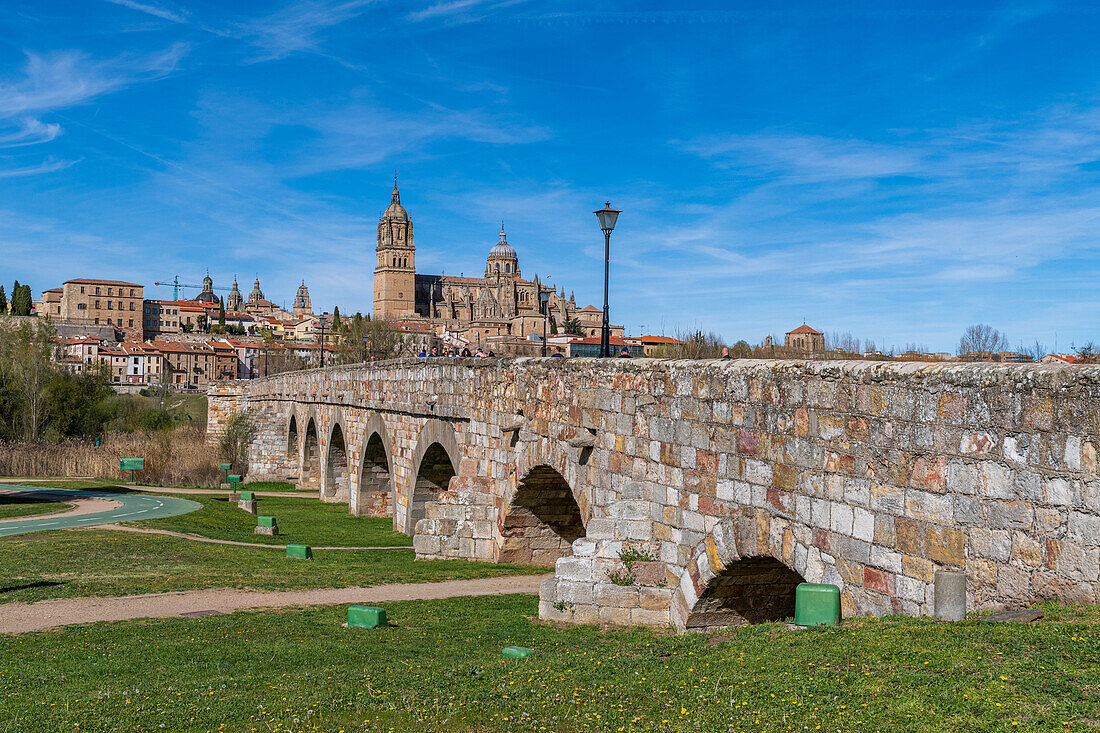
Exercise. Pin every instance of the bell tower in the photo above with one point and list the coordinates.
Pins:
(395, 267)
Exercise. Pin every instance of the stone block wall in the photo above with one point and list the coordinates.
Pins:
(870, 476)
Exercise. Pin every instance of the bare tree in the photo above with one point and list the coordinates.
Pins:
(693, 345)
(1089, 353)
(982, 341)
(363, 339)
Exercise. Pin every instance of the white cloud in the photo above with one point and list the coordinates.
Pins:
(174, 16)
(297, 27)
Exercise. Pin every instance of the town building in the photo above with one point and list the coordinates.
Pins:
(92, 302)
(302, 306)
(500, 303)
(805, 340)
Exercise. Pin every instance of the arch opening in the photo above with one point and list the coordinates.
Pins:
(311, 458)
(432, 476)
(336, 465)
(749, 591)
(375, 486)
(292, 440)
(543, 520)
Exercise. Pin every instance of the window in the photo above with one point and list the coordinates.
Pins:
(131, 322)
(97, 321)
(97, 290)
(131, 292)
(82, 306)
(82, 290)
(97, 305)
(108, 291)
(507, 268)
(131, 305)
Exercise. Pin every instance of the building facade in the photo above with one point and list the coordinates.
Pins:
(500, 303)
(805, 340)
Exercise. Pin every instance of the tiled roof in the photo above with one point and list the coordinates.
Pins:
(804, 329)
(91, 281)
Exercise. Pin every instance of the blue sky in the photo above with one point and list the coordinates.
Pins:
(894, 171)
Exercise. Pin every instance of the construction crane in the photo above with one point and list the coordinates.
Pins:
(176, 285)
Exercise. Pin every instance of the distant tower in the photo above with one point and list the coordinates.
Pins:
(395, 269)
(207, 294)
(502, 260)
(234, 299)
(302, 306)
(256, 295)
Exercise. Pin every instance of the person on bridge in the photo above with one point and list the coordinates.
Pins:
(625, 353)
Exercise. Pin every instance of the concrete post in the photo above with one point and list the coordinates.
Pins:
(950, 595)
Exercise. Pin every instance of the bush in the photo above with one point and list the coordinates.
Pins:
(156, 420)
(233, 447)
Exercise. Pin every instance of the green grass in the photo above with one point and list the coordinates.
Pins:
(439, 669)
(273, 486)
(301, 521)
(25, 506)
(66, 564)
(184, 406)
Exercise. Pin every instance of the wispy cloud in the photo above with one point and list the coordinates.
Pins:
(297, 27)
(158, 11)
(29, 131)
(47, 166)
(458, 9)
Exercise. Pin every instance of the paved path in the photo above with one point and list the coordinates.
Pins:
(21, 617)
(200, 538)
(130, 508)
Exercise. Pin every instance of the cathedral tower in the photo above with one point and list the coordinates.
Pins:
(302, 306)
(395, 268)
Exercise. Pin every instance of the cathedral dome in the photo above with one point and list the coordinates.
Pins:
(395, 210)
(502, 248)
(207, 294)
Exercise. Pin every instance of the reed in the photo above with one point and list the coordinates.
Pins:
(179, 457)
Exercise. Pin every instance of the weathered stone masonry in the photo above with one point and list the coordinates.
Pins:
(721, 484)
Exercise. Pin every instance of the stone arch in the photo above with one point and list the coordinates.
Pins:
(563, 459)
(293, 440)
(542, 521)
(337, 475)
(434, 464)
(729, 581)
(309, 473)
(375, 494)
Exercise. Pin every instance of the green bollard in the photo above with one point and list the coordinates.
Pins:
(366, 617)
(516, 652)
(816, 605)
(247, 496)
(299, 552)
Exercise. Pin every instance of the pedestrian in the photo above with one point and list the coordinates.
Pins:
(491, 354)
(625, 353)
(725, 352)
(480, 353)
(557, 354)
(435, 351)
(466, 351)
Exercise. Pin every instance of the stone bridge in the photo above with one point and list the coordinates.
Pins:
(699, 493)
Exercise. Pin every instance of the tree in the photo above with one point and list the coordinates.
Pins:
(982, 341)
(741, 350)
(336, 319)
(221, 312)
(366, 340)
(201, 321)
(21, 300)
(27, 358)
(3, 302)
(572, 327)
(233, 446)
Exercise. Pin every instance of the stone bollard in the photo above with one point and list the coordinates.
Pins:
(249, 505)
(266, 525)
(949, 595)
(234, 497)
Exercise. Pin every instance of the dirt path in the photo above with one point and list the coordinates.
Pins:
(22, 617)
(200, 538)
(79, 506)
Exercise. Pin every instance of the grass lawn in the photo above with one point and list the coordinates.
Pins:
(439, 669)
(91, 562)
(23, 506)
(273, 486)
(302, 521)
(187, 409)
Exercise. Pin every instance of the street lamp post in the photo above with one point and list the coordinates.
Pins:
(322, 342)
(544, 299)
(607, 217)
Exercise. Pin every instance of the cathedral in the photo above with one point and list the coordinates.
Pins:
(501, 303)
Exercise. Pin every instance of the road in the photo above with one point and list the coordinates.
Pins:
(131, 508)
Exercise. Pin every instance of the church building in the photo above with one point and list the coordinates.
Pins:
(500, 303)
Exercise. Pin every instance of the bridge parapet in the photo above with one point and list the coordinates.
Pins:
(721, 484)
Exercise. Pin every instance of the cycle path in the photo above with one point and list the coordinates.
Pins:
(131, 508)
